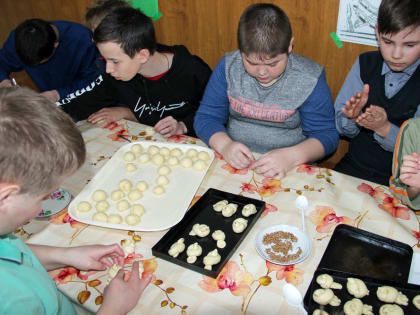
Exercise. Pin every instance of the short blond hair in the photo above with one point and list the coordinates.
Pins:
(39, 143)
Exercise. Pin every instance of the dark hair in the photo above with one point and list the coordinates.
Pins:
(128, 27)
(396, 15)
(34, 41)
(264, 29)
(101, 9)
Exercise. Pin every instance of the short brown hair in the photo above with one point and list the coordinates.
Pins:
(39, 143)
(101, 8)
(264, 29)
(396, 15)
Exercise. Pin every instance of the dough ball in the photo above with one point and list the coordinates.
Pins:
(152, 150)
(136, 148)
(323, 296)
(164, 170)
(173, 160)
(176, 152)
(191, 259)
(117, 195)
(142, 186)
(202, 155)
(186, 162)
(162, 180)
(102, 206)
(84, 206)
(125, 185)
(229, 210)
(201, 230)
(320, 312)
(123, 205)
(164, 151)
(132, 219)
(200, 165)
(135, 195)
(158, 159)
(335, 301)
(114, 218)
(416, 301)
(149, 131)
(99, 195)
(191, 153)
(387, 294)
(327, 282)
(100, 217)
(159, 190)
(176, 248)
(218, 206)
(357, 287)
(130, 168)
(248, 210)
(391, 309)
(239, 225)
(144, 158)
(137, 209)
(353, 307)
(129, 156)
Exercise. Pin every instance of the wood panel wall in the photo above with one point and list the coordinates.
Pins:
(208, 29)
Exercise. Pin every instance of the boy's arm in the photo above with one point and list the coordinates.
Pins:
(9, 61)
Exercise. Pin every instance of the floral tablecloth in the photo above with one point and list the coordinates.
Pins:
(247, 284)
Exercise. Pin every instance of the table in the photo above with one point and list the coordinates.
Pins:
(247, 284)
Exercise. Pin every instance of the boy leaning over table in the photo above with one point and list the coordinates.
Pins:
(266, 99)
(380, 92)
(46, 148)
(161, 85)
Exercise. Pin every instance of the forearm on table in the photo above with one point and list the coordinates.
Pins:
(51, 257)
(307, 151)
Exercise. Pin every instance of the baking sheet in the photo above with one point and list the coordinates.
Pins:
(202, 212)
(161, 211)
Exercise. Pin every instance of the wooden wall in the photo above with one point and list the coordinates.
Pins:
(208, 28)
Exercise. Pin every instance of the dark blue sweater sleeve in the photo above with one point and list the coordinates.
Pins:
(317, 116)
(213, 113)
(9, 62)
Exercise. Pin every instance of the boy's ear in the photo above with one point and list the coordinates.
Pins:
(291, 45)
(7, 190)
(377, 32)
(143, 55)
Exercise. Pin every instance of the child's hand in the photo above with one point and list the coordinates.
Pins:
(95, 257)
(121, 296)
(355, 105)
(410, 170)
(110, 114)
(169, 127)
(274, 164)
(237, 154)
(6, 83)
(375, 119)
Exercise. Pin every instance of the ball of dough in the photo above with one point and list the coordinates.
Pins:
(164, 151)
(200, 165)
(158, 159)
(201, 230)
(149, 131)
(130, 168)
(125, 185)
(353, 307)
(218, 206)
(142, 186)
(152, 150)
(323, 296)
(239, 225)
(100, 217)
(176, 152)
(137, 209)
(173, 160)
(319, 312)
(357, 287)
(144, 158)
(136, 148)
(159, 190)
(186, 162)
(129, 156)
(387, 294)
(123, 205)
(117, 195)
(114, 218)
(135, 195)
(229, 210)
(162, 180)
(99, 195)
(84, 206)
(191, 153)
(248, 210)
(102, 206)
(391, 309)
(325, 281)
(164, 170)
(416, 301)
(132, 219)
(202, 155)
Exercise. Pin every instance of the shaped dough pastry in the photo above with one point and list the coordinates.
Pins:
(186, 162)
(129, 156)
(162, 180)
(327, 282)
(357, 287)
(100, 217)
(112, 272)
(123, 205)
(132, 219)
(99, 195)
(191, 153)
(212, 258)
(136, 148)
(367, 310)
(102, 206)
(125, 185)
(320, 312)
(117, 195)
(159, 190)
(176, 152)
(144, 158)
(177, 248)
(391, 309)
(202, 155)
(128, 246)
(158, 159)
(200, 230)
(114, 218)
(387, 294)
(164, 151)
(335, 301)
(164, 170)
(229, 209)
(353, 307)
(84, 206)
(323, 296)
(149, 131)
(193, 251)
(130, 168)
(239, 225)
(200, 165)
(137, 209)
(218, 206)
(142, 186)
(416, 301)
(152, 150)
(135, 195)
(248, 210)
(219, 237)
(173, 160)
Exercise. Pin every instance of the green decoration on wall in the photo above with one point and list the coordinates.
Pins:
(148, 7)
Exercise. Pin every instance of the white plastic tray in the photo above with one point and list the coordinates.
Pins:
(161, 212)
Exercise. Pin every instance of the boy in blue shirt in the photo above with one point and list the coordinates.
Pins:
(47, 147)
(59, 56)
(381, 92)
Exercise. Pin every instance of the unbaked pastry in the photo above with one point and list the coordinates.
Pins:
(149, 131)
(323, 296)
(202, 155)
(144, 158)
(200, 230)
(327, 282)
(125, 185)
(177, 248)
(191, 153)
(357, 287)
(416, 301)
(391, 309)
(100, 217)
(164, 170)
(130, 168)
(229, 210)
(132, 219)
(152, 150)
(135, 195)
(164, 151)
(212, 258)
(173, 160)
(162, 180)
(112, 272)
(123, 205)
(193, 251)
(128, 246)
(102, 206)
(114, 218)
(136, 148)
(248, 210)
(159, 190)
(389, 294)
(137, 209)
(117, 195)
(200, 165)
(335, 301)
(219, 236)
(142, 186)
(367, 309)
(320, 312)
(186, 162)
(158, 159)
(176, 152)
(129, 156)
(84, 206)
(218, 206)
(99, 195)
(353, 307)
(239, 225)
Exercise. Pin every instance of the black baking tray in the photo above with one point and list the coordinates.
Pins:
(410, 290)
(202, 212)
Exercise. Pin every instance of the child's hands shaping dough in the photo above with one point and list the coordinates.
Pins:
(410, 170)
(169, 127)
(274, 164)
(237, 154)
(121, 296)
(110, 114)
(356, 103)
(95, 257)
(375, 119)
